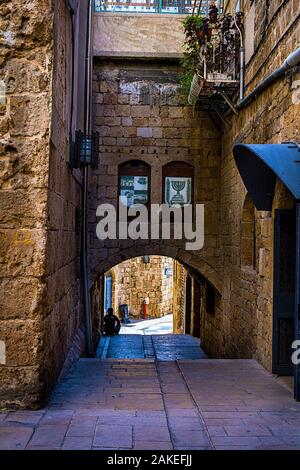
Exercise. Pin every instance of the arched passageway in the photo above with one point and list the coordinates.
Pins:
(163, 306)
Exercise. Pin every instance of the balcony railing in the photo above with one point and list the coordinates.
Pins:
(213, 62)
(180, 7)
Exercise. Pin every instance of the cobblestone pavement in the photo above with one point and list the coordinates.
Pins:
(149, 404)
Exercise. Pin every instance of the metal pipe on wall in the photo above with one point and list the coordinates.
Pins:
(292, 60)
(242, 72)
(85, 176)
(72, 15)
(242, 59)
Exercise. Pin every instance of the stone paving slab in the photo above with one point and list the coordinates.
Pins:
(14, 437)
(110, 436)
(145, 404)
(49, 435)
(3, 416)
(150, 445)
(193, 438)
(77, 443)
(24, 417)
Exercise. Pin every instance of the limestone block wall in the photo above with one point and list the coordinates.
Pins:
(25, 115)
(140, 114)
(134, 280)
(63, 310)
(243, 328)
(39, 276)
(136, 35)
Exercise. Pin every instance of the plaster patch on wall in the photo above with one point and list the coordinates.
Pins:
(145, 132)
(2, 353)
(261, 262)
(169, 89)
(8, 36)
(2, 92)
(131, 88)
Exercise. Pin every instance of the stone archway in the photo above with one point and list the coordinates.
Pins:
(193, 266)
(191, 259)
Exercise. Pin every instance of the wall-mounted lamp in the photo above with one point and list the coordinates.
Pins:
(85, 150)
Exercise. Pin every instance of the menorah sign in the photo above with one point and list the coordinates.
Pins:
(178, 191)
(178, 198)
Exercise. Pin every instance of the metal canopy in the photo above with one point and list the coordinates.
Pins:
(260, 164)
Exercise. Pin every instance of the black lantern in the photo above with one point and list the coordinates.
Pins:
(85, 150)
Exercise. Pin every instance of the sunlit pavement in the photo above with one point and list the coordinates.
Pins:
(154, 326)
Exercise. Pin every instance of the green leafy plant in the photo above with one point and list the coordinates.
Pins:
(212, 44)
(188, 64)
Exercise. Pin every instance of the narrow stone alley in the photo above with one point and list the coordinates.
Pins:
(145, 403)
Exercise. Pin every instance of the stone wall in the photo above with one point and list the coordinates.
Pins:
(148, 35)
(63, 310)
(26, 70)
(244, 327)
(141, 115)
(134, 280)
(40, 293)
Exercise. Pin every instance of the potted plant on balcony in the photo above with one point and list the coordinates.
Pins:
(212, 50)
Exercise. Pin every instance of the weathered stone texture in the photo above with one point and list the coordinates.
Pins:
(139, 115)
(26, 67)
(20, 386)
(147, 35)
(40, 291)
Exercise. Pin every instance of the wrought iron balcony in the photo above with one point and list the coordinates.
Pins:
(180, 7)
(213, 60)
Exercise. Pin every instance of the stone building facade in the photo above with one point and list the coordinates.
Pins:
(136, 105)
(240, 322)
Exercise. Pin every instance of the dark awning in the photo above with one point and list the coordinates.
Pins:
(260, 164)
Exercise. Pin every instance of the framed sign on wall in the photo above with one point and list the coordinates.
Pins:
(135, 189)
(178, 191)
(178, 180)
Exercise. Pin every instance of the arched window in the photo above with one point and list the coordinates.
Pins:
(178, 184)
(248, 235)
(135, 182)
